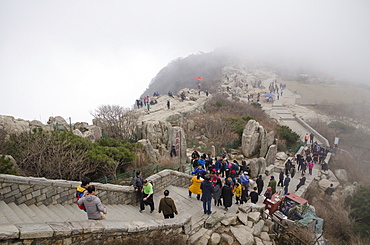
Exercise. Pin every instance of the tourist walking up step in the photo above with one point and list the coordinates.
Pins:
(302, 181)
(227, 195)
(254, 195)
(310, 167)
(272, 184)
(217, 192)
(138, 184)
(167, 206)
(306, 137)
(238, 189)
(260, 184)
(281, 178)
(292, 171)
(93, 205)
(303, 167)
(195, 186)
(207, 190)
(286, 184)
(311, 138)
(147, 197)
(81, 191)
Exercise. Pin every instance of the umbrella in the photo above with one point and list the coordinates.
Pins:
(268, 95)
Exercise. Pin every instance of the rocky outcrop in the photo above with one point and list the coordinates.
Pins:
(162, 136)
(271, 155)
(255, 140)
(9, 125)
(257, 166)
(341, 175)
(245, 227)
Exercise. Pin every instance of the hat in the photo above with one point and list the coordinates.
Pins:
(269, 188)
(245, 172)
(272, 177)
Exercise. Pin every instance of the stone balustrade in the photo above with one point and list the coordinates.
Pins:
(30, 190)
(38, 191)
(91, 231)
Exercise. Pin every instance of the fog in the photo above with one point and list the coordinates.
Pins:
(68, 57)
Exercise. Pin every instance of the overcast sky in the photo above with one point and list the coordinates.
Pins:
(68, 57)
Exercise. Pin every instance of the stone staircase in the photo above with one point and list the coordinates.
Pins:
(11, 213)
(16, 214)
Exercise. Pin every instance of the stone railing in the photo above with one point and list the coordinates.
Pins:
(38, 191)
(30, 190)
(312, 130)
(92, 231)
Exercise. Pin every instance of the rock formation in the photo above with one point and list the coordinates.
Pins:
(9, 125)
(162, 136)
(255, 140)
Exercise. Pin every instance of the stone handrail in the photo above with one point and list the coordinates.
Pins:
(90, 231)
(312, 130)
(30, 190)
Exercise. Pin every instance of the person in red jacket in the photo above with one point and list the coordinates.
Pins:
(82, 191)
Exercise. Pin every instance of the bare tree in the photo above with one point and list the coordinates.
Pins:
(116, 121)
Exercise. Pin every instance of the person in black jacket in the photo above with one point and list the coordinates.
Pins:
(281, 178)
(207, 189)
(227, 195)
(260, 184)
(254, 195)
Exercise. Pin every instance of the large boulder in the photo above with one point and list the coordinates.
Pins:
(243, 236)
(257, 228)
(257, 166)
(251, 138)
(267, 139)
(281, 156)
(255, 139)
(271, 155)
(341, 175)
(149, 150)
(10, 125)
(213, 219)
(58, 123)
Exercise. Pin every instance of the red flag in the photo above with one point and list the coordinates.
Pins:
(199, 78)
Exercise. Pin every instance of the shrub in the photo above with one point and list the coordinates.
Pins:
(360, 211)
(218, 104)
(288, 135)
(7, 166)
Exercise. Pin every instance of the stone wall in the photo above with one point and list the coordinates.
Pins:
(91, 231)
(312, 130)
(30, 190)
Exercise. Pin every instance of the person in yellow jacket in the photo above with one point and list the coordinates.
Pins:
(238, 192)
(195, 186)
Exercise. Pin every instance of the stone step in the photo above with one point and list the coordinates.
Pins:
(71, 214)
(9, 213)
(3, 219)
(40, 213)
(51, 214)
(74, 209)
(61, 212)
(22, 215)
(31, 214)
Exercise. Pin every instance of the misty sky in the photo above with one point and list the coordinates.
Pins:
(68, 57)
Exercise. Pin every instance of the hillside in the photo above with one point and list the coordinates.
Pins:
(180, 73)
